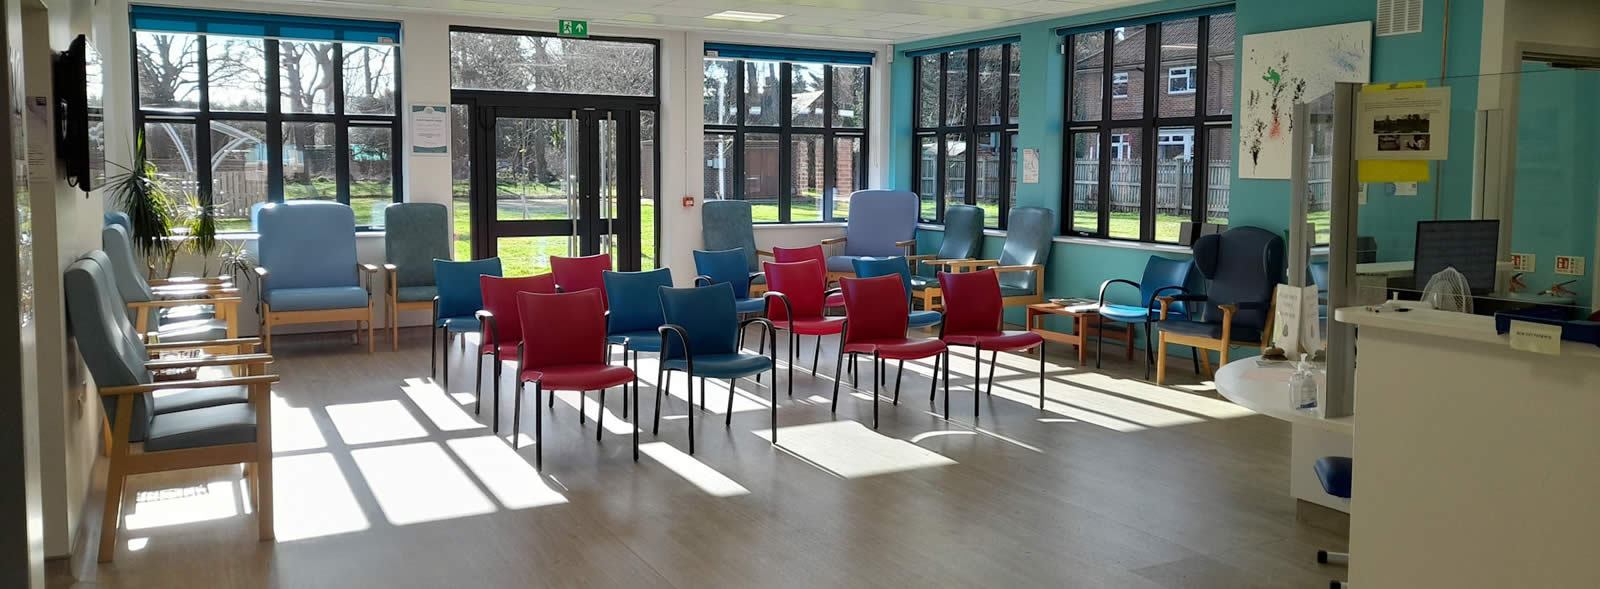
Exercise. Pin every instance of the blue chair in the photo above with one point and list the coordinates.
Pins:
(897, 266)
(1319, 277)
(1242, 265)
(701, 338)
(118, 218)
(963, 240)
(308, 270)
(1334, 474)
(415, 234)
(199, 309)
(1161, 276)
(455, 309)
(730, 225)
(712, 267)
(1029, 236)
(635, 302)
(882, 223)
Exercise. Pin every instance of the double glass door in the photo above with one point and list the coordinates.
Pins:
(554, 182)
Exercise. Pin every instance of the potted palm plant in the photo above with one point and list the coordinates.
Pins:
(138, 191)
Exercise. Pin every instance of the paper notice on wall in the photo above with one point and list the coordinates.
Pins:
(430, 130)
(1403, 124)
(41, 142)
(1030, 166)
(1376, 171)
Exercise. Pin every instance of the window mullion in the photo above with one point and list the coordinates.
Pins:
(1103, 214)
(1148, 141)
(274, 123)
(785, 152)
(341, 130)
(202, 128)
(1200, 159)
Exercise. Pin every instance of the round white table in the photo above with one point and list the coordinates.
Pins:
(1265, 390)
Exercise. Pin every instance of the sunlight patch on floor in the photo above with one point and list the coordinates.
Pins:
(294, 428)
(511, 479)
(461, 398)
(184, 505)
(417, 483)
(716, 395)
(1150, 393)
(312, 498)
(614, 423)
(1058, 408)
(851, 450)
(708, 479)
(446, 415)
(376, 421)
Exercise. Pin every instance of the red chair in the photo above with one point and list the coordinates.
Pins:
(874, 324)
(581, 273)
(801, 254)
(972, 317)
(795, 298)
(564, 349)
(500, 326)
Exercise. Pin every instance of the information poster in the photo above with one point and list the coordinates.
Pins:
(1403, 124)
(430, 130)
(1030, 166)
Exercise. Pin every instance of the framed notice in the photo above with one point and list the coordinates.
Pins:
(430, 130)
(1403, 124)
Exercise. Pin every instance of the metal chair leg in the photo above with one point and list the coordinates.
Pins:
(497, 391)
(761, 348)
(691, 410)
(898, 373)
(600, 420)
(661, 385)
(1041, 376)
(1099, 340)
(636, 377)
(947, 385)
(445, 365)
(477, 389)
(727, 419)
(1149, 350)
(855, 373)
(877, 367)
(977, 377)
(433, 352)
(933, 386)
(816, 352)
(581, 398)
(837, 365)
(636, 426)
(538, 426)
(994, 361)
(516, 416)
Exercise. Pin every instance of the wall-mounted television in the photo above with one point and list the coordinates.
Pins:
(80, 115)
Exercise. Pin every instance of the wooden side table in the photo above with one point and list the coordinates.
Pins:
(1084, 323)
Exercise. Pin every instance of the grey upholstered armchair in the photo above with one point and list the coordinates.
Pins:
(882, 223)
(1029, 236)
(728, 224)
(415, 234)
(963, 240)
(192, 311)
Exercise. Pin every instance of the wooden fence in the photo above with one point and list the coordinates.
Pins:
(1174, 183)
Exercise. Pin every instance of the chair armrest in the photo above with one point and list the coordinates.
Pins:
(683, 337)
(1183, 292)
(961, 263)
(191, 292)
(368, 268)
(237, 341)
(788, 309)
(261, 271)
(391, 267)
(487, 328)
(181, 302)
(1227, 323)
(231, 360)
(906, 243)
(1108, 283)
(189, 384)
(832, 240)
(766, 253)
(706, 280)
(187, 281)
(999, 269)
(769, 331)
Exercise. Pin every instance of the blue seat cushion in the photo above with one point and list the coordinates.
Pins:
(316, 298)
(924, 318)
(638, 341)
(1240, 335)
(843, 263)
(210, 426)
(1129, 313)
(175, 400)
(923, 282)
(723, 365)
(416, 294)
(755, 305)
(193, 330)
(1334, 473)
(466, 324)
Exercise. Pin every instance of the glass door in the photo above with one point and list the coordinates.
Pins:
(554, 182)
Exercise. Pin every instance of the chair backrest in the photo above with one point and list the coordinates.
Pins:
(460, 293)
(870, 311)
(1028, 239)
(562, 329)
(500, 298)
(118, 218)
(414, 235)
(963, 232)
(727, 225)
(800, 254)
(1243, 265)
(98, 321)
(724, 266)
(307, 245)
(706, 313)
(878, 219)
(1319, 275)
(1163, 273)
(971, 301)
(634, 299)
(124, 266)
(804, 283)
(581, 273)
(891, 266)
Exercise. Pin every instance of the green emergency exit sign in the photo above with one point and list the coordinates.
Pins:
(574, 28)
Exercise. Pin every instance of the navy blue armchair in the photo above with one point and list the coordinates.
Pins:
(1242, 267)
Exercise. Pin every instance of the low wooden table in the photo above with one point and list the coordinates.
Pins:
(1084, 323)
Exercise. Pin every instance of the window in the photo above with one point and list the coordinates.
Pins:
(233, 121)
(966, 129)
(1134, 172)
(1180, 80)
(788, 136)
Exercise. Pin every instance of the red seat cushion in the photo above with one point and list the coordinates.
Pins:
(1000, 341)
(579, 377)
(897, 349)
(815, 325)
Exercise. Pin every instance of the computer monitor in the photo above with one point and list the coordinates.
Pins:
(1471, 247)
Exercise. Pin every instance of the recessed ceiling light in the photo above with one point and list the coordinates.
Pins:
(741, 16)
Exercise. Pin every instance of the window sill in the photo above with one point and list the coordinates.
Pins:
(250, 236)
(803, 224)
(1165, 248)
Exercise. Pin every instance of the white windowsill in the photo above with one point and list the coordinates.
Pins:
(1165, 248)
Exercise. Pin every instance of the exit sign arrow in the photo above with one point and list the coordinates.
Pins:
(574, 28)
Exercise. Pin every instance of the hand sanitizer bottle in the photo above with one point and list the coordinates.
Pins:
(1303, 386)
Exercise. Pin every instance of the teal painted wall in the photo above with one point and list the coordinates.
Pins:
(1077, 269)
(1558, 173)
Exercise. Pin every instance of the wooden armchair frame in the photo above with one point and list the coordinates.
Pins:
(908, 245)
(1203, 344)
(929, 295)
(391, 290)
(270, 318)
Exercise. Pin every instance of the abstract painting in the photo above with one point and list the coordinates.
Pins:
(1286, 67)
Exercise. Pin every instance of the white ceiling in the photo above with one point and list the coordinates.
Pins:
(892, 21)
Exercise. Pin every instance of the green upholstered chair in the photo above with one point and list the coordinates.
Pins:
(170, 425)
(1029, 234)
(415, 233)
(175, 313)
(728, 224)
(963, 240)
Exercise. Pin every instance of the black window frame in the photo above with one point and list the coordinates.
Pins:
(1150, 123)
(786, 130)
(273, 116)
(971, 129)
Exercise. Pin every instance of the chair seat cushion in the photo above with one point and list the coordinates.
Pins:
(897, 348)
(416, 294)
(463, 324)
(755, 305)
(834, 300)
(924, 318)
(234, 423)
(1000, 341)
(193, 330)
(1240, 334)
(1334, 474)
(639, 341)
(815, 325)
(1129, 313)
(585, 377)
(316, 299)
(843, 263)
(174, 400)
(723, 365)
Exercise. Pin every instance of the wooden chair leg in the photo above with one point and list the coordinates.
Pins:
(1205, 361)
(369, 328)
(1222, 358)
(253, 483)
(1161, 357)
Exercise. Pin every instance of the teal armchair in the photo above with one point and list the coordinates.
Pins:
(415, 234)
(728, 225)
(308, 271)
(1030, 232)
(963, 240)
(176, 313)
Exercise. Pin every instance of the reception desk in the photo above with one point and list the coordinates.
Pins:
(1476, 465)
